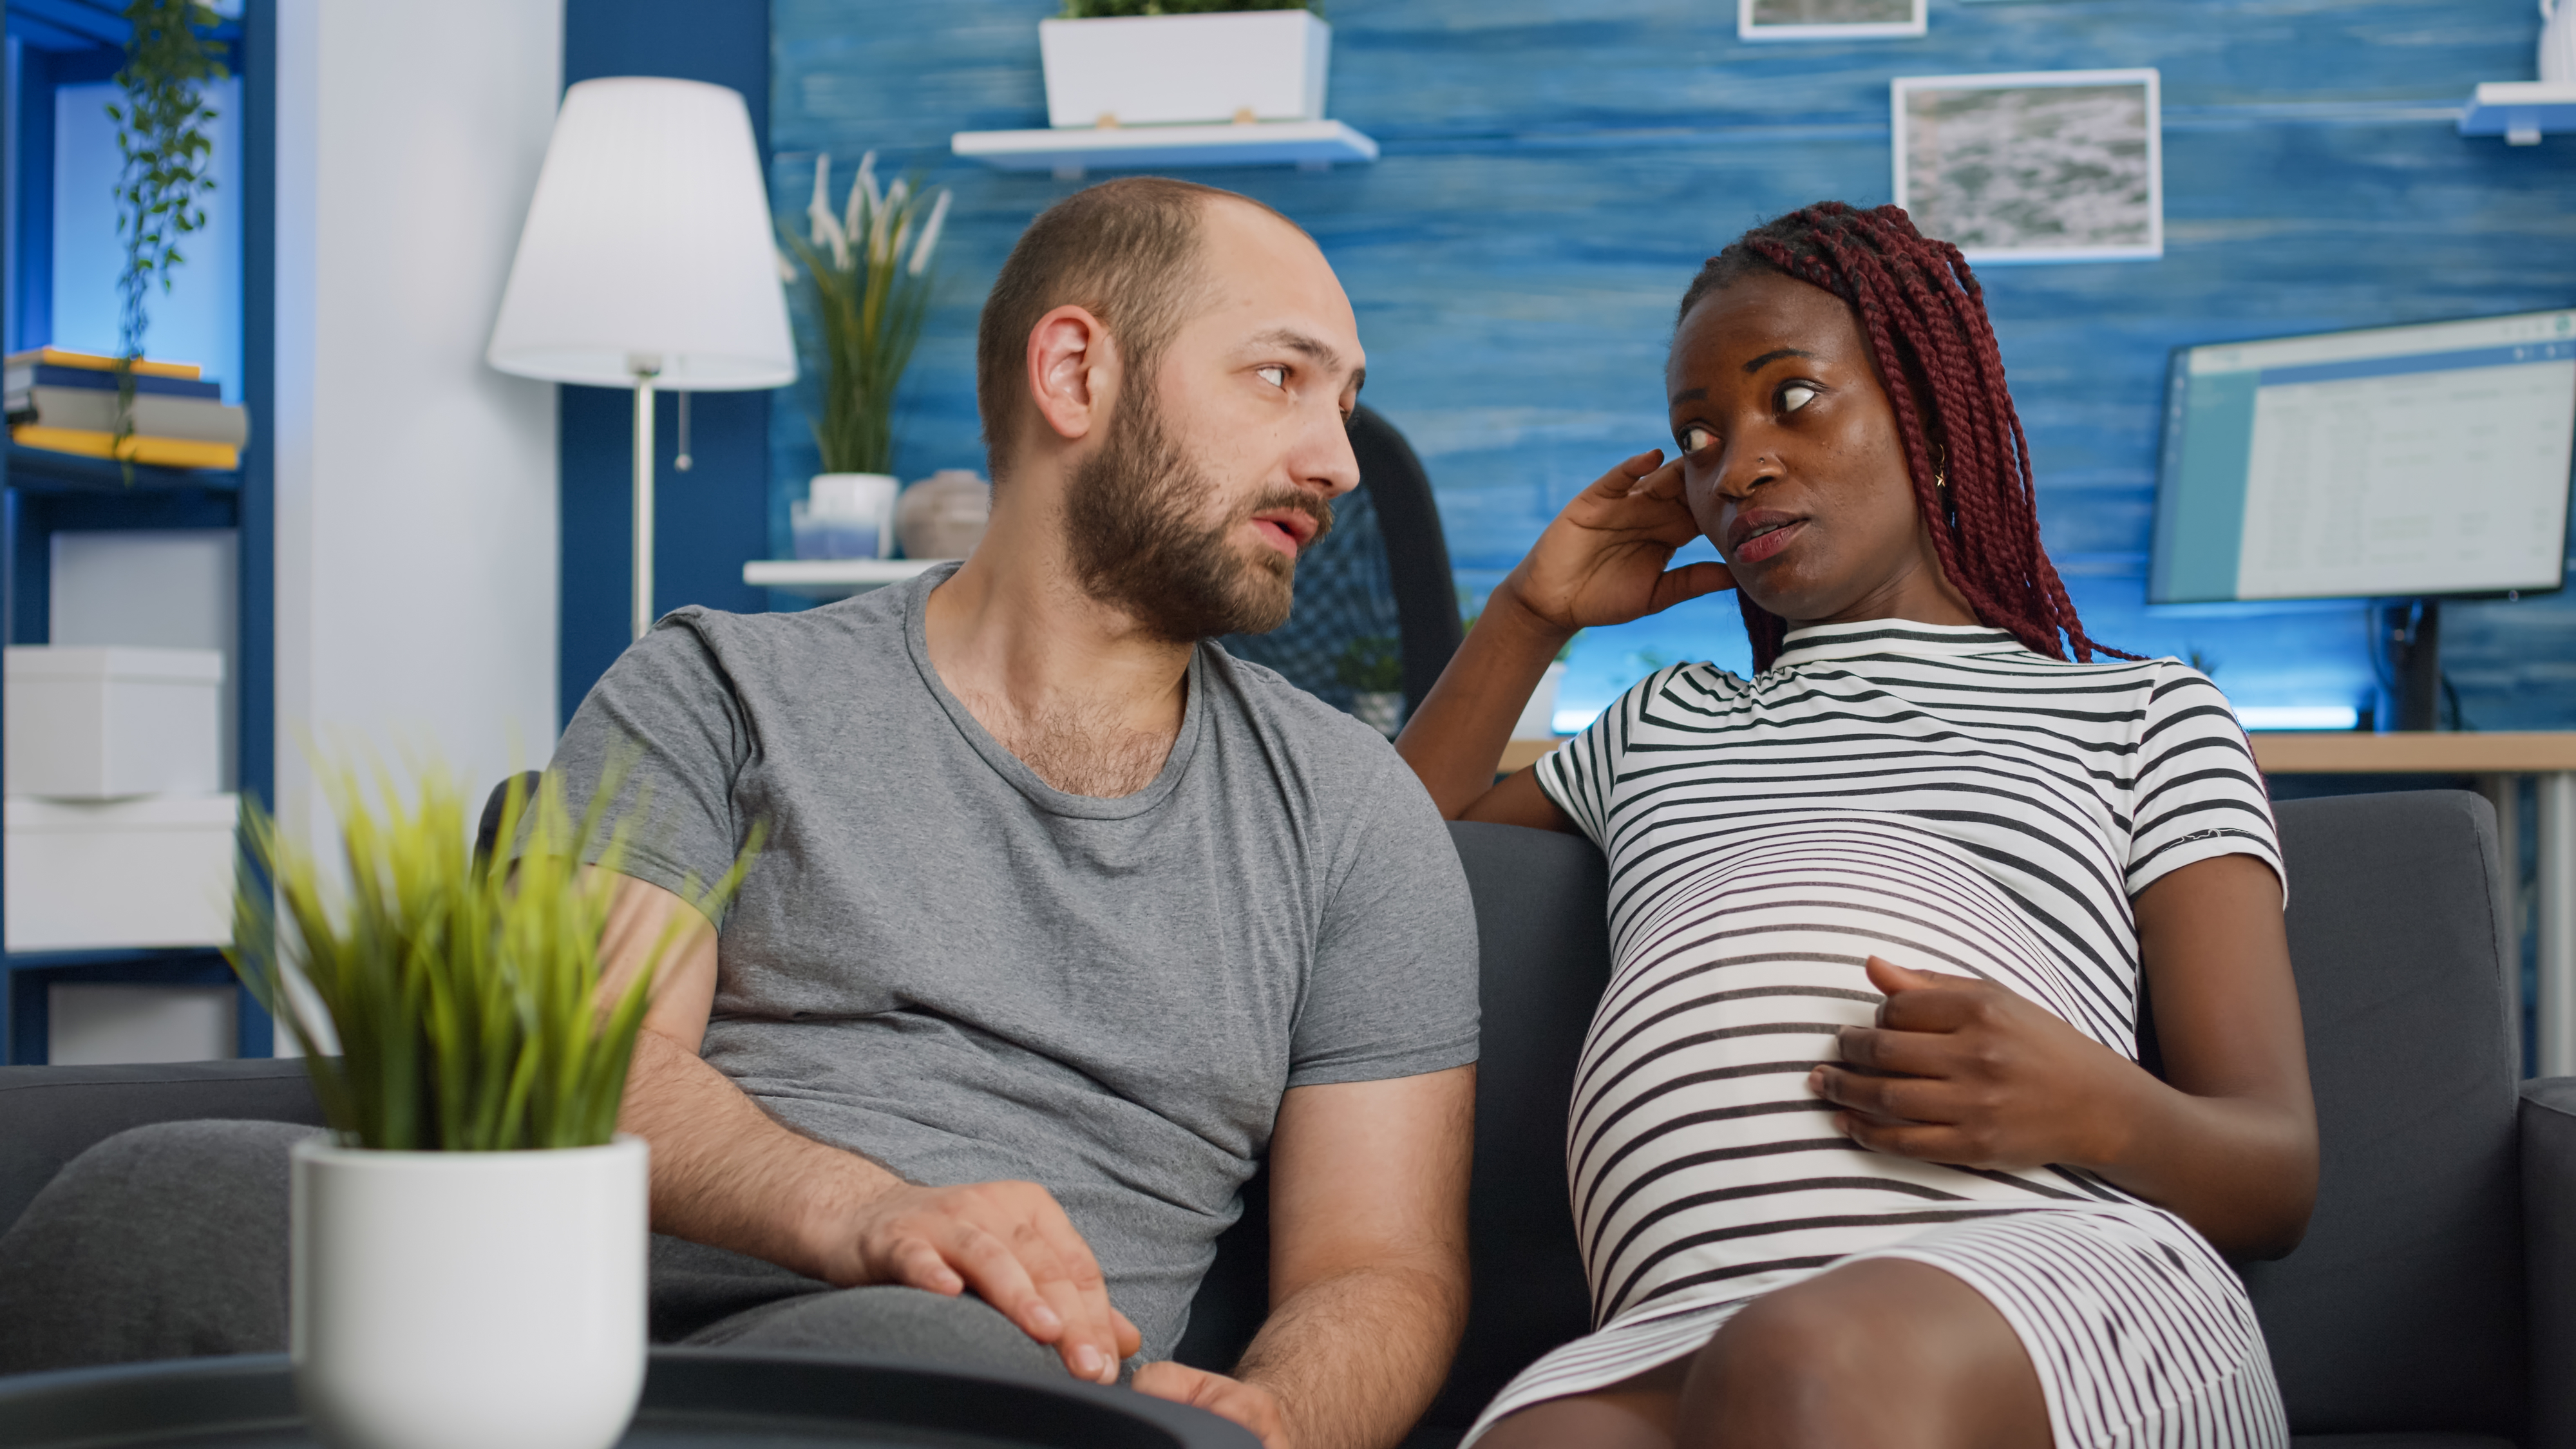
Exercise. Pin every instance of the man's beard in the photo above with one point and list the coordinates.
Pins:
(1130, 512)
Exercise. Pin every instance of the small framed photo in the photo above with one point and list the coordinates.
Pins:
(1827, 19)
(2035, 166)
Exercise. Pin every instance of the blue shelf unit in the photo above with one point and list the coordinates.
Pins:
(67, 42)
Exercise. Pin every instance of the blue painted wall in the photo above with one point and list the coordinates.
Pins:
(1555, 171)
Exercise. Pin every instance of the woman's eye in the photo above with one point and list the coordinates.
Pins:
(1696, 438)
(1795, 396)
(1274, 375)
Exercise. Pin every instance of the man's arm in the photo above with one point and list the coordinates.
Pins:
(726, 1174)
(1368, 1266)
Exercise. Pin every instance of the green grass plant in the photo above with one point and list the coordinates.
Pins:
(466, 1005)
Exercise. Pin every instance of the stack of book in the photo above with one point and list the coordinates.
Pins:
(66, 402)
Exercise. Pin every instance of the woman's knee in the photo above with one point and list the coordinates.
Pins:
(1885, 1351)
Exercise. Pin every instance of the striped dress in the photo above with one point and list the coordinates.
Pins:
(1953, 802)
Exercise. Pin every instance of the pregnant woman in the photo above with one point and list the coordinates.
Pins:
(1861, 1153)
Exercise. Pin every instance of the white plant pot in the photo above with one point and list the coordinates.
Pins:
(469, 1300)
(845, 515)
(1380, 709)
(1152, 70)
(1538, 717)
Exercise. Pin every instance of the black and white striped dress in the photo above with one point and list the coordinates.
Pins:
(1952, 801)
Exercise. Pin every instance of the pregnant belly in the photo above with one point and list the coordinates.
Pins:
(1703, 1169)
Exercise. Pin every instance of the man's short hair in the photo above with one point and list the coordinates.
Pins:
(1127, 251)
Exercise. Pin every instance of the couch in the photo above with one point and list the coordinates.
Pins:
(2431, 1306)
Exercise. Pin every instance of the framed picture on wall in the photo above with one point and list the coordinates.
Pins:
(2036, 166)
(1827, 19)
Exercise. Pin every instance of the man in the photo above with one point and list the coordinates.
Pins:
(1066, 920)
(1066, 917)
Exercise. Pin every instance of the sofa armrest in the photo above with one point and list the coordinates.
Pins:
(50, 1115)
(2549, 1237)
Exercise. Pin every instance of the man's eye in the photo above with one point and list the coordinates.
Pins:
(1795, 396)
(1696, 438)
(1274, 375)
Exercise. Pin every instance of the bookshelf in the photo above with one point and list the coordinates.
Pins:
(72, 42)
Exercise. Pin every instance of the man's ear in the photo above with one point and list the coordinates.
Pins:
(1073, 371)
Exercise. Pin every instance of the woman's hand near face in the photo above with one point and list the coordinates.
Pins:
(1602, 561)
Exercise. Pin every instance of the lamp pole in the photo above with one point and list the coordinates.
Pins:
(646, 366)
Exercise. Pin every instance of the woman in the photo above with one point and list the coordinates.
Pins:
(1860, 1151)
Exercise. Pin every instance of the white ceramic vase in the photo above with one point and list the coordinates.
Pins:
(469, 1300)
(1147, 70)
(2558, 42)
(943, 515)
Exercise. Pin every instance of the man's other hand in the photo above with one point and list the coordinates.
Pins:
(1250, 1405)
(1012, 1244)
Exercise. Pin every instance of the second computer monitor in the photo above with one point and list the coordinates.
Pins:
(2426, 460)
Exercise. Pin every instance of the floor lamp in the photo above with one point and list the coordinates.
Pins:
(647, 262)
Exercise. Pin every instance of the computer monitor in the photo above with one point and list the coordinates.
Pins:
(2416, 462)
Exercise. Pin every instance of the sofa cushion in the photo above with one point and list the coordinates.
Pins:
(53, 1114)
(2402, 1309)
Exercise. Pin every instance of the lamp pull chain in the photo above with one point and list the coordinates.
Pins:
(682, 462)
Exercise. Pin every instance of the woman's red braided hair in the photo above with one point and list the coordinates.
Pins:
(1924, 318)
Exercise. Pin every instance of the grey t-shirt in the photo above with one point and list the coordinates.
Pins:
(950, 966)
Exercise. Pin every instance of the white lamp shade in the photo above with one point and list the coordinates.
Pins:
(648, 241)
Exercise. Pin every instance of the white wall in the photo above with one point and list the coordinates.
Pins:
(415, 486)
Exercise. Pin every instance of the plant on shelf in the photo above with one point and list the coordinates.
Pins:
(160, 134)
(463, 997)
(1371, 667)
(868, 271)
(1105, 9)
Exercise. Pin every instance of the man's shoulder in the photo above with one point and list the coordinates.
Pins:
(1315, 732)
(789, 640)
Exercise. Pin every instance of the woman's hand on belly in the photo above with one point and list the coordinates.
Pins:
(1969, 1073)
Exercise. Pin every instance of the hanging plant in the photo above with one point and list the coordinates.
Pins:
(160, 132)
(870, 270)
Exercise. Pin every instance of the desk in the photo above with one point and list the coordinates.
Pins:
(2496, 759)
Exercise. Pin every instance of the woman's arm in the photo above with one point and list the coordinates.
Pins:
(1600, 562)
(1453, 740)
(1970, 1073)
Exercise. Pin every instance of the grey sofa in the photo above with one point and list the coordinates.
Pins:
(2432, 1306)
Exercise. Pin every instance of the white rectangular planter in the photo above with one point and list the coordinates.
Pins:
(103, 723)
(90, 876)
(1153, 70)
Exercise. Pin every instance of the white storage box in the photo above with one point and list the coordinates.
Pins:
(104, 723)
(153, 872)
(1147, 70)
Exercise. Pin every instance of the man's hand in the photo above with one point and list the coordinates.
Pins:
(1250, 1405)
(1969, 1073)
(1012, 1244)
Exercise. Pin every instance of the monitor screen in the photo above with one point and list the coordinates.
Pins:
(2424, 460)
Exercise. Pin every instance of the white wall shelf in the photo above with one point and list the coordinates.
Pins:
(1071, 151)
(2520, 111)
(832, 578)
